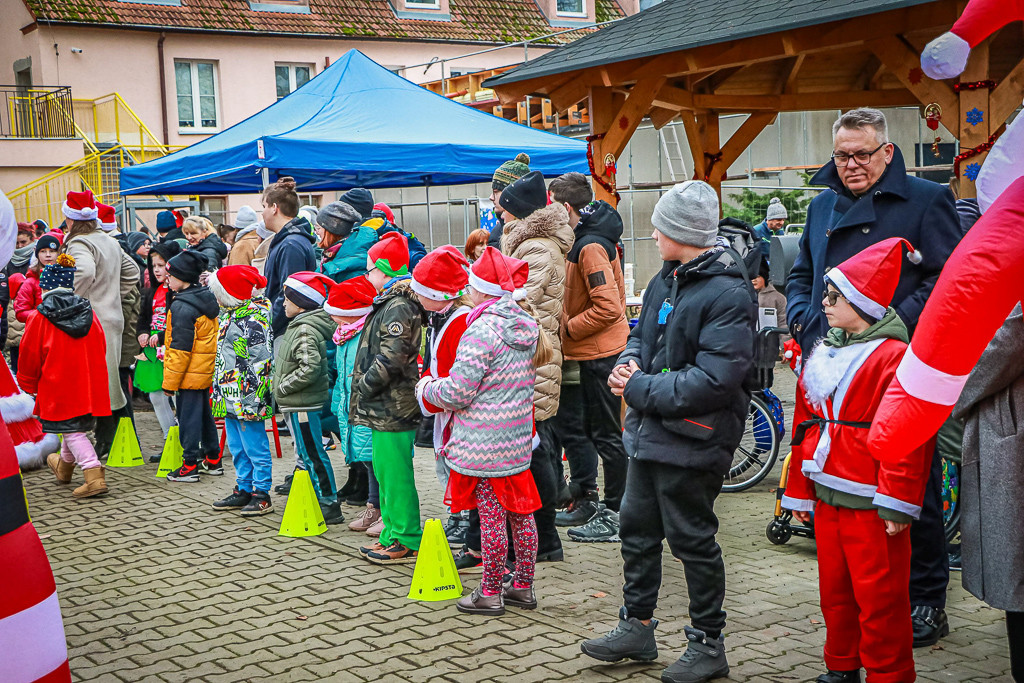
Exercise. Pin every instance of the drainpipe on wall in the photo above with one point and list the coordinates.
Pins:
(163, 84)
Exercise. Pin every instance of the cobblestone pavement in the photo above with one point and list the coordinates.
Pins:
(154, 585)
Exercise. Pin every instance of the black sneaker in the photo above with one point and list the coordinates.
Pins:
(282, 428)
(237, 499)
(955, 558)
(285, 488)
(458, 533)
(155, 457)
(466, 562)
(603, 528)
(214, 468)
(703, 660)
(332, 513)
(187, 473)
(579, 511)
(259, 505)
(630, 639)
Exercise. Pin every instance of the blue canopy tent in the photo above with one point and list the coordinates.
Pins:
(355, 125)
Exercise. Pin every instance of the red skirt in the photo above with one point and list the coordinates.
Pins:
(517, 493)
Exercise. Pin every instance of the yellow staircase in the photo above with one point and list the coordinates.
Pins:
(113, 137)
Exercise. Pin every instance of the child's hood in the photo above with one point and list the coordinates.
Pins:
(200, 298)
(68, 312)
(513, 325)
(891, 326)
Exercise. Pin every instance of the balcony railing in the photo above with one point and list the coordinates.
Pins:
(36, 112)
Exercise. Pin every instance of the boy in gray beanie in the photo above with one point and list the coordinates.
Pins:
(682, 375)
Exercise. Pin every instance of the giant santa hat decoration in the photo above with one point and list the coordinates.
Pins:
(946, 56)
(32, 644)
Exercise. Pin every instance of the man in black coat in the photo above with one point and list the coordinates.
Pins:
(871, 198)
(682, 376)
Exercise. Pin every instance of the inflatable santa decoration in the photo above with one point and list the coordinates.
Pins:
(946, 56)
(32, 644)
(979, 285)
(30, 444)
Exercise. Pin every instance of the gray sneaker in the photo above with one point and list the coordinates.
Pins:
(703, 660)
(630, 639)
(603, 528)
(579, 511)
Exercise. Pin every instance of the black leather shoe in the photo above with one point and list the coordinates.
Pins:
(930, 625)
(839, 677)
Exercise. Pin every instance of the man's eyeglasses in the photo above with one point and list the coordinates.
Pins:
(832, 296)
(860, 158)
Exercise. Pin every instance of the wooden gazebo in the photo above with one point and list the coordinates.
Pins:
(698, 59)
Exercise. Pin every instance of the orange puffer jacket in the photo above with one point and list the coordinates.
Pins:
(191, 340)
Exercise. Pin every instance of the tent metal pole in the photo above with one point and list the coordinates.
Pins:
(265, 176)
(430, 224)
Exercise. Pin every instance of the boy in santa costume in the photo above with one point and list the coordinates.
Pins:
(440, 280)
(63, 365)
(862, 506)
(383, 397)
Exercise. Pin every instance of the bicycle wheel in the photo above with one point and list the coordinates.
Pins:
(758, 450)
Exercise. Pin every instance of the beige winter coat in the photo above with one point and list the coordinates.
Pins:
(244, 248)
(104, 274)
(542, 240)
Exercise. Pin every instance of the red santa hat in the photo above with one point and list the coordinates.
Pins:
(868, 279)
(386, 210)
(238, 282)
(307, 289)
(80, 206)
(391, 254)
(352, 298)
(107, 217)
(495, 274)
(946, 56)
(441, 275)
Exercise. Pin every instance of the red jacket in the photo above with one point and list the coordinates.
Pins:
(840, 459)
(29, 296)
(443, 347)
(68, 374)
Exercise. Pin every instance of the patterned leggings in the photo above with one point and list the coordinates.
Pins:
(494, 541)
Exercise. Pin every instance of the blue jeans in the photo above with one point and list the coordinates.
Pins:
(306, 430)
(250, 451)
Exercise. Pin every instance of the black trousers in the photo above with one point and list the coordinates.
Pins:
(929, 563)
(677, 505)
(591, 430)
(1015, 634)
(542, 467)
(198, 431)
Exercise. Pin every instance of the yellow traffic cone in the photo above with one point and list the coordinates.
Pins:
(171, 457)
(125, 451)
(302, 515)
(435, 577)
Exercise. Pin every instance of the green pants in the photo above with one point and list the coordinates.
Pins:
(399, 502)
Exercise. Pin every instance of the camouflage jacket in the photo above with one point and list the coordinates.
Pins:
(386, 371)
(243, 369)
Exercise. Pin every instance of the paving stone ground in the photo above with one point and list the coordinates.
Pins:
(156, 586)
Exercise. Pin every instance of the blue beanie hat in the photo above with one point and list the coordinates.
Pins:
(165, 220)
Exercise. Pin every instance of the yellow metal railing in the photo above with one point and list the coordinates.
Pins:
(109, 120)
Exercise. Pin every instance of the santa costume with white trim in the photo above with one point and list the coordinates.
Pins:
(863, 571)
(32, 643)
(16, 407)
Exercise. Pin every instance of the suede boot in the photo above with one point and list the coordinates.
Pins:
(95, 484)
(62, 470)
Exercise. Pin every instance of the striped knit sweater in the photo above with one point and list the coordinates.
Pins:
(490, 391)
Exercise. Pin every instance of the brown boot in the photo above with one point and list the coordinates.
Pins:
(62, 470)
(95, 484)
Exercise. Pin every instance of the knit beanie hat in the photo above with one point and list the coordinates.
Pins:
(526, 195)
(441, 275)
(390, 255)
(246, 218)
(776, 210)
(338, 218)
(187, 266)
(511, 171)
(59, 274)
(107, 217)
(352, 298)
(135, 240)
(166, 221)
(165, 250)
(360, 199)
(307, 290)
(41, 225)
(80, 206)
(238, 282)
(47, 242)
(688, 214)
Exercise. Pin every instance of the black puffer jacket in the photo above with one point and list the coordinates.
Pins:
(214, 249)
(68, 312)
(693, 415)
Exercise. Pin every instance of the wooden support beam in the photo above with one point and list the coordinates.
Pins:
(670, 97)
(974, 134)
(628, 118)
(600, 104)
(708, 128)
(905, 64)
(695, 142)
(1007, 95)
(569, 94)
(721, 74)
(787, 78)
(660, 116)
(869, 72)
(744, 136)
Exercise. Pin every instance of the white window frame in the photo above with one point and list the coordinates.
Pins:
(582, 14)
(291, 75)
(199, 129)
(409, 4)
